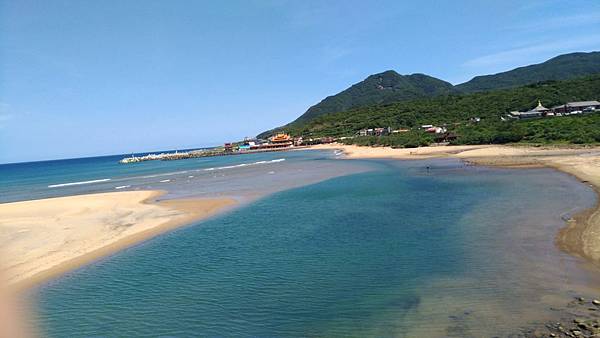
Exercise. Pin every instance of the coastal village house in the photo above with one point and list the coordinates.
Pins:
(280, 140)
(430, 128)
(277, 141)
(375, 131)
(581, 106)
(570, 108)
(538, 111)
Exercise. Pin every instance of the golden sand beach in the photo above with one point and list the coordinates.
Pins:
(43, 238)
(581, 236)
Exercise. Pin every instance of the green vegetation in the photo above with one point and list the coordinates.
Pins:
(581, 129)
(412, 139)
(577, 129)
(452, 111)
(563, 67)
(382, 88)
(389, 88)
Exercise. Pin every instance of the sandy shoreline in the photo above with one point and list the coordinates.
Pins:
(67, 232)
(41, 239)
(581, 236)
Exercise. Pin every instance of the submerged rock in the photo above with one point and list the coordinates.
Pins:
(578, 320)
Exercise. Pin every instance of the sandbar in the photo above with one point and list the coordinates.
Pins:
(41, 239)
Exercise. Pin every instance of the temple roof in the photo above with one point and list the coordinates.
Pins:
(539, 107)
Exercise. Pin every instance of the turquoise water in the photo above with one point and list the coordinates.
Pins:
(368, 248)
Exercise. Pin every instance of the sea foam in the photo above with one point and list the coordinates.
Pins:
(245, 164)
(78, 183)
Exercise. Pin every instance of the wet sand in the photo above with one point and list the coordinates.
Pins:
(581, 236)
(41, 239)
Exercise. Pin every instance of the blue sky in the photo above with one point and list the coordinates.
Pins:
(85, 78)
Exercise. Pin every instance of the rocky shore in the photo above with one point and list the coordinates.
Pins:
(580, 318)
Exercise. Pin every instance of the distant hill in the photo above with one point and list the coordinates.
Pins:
(450, 109)
(382, 88)
(390, 87)
(562, 67)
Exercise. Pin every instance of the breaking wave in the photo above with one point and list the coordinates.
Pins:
(245, 164)
(78, 183)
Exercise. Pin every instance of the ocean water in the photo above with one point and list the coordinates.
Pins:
(335, 247)
(244, 175)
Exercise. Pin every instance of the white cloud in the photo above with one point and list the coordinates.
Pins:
(559, 22)
(522, 55)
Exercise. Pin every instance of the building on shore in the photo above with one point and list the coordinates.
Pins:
(383, 131)
(569, 108)
(247, 144)
(375, 131)
(577, 107)
(277, 141)
(539, 111)
(436, 130)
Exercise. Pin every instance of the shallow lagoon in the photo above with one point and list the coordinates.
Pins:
(388, 249)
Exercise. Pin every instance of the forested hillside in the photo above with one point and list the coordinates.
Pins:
(451, 109)
(562, 67)
(390, 88)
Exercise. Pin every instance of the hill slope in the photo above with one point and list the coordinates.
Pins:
(382, 88)
(391, 87)
(562, 67)
(452, 108)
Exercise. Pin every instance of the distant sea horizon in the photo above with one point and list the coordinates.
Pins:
(124, 154)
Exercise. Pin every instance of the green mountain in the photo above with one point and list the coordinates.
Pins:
(453, 110)
(376, 89)
(390, 87)
(381, 88)
(562, 67)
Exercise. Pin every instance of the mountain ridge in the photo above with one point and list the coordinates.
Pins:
(562, 67)
(389, 86)
(379, 88)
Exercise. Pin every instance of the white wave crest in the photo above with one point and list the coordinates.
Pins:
(245, 164)
(78, 183)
